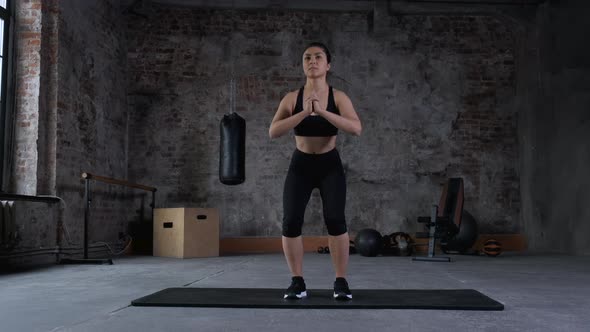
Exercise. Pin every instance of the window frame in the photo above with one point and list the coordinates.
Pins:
(6, 95)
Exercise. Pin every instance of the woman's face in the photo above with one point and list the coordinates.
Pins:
(315, 62)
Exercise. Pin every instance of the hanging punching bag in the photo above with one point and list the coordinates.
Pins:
(232, 152)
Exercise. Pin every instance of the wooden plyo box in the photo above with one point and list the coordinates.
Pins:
(186, 232)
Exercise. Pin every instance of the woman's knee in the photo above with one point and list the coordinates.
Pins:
(336, 227)
(292, 228)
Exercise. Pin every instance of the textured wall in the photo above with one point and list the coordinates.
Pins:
(28, 64)
(439, 95)
(35, 225)
(29, 227)
(92, 114)
(48, 94)
(556, 128)
(71, 117)
(436, 95)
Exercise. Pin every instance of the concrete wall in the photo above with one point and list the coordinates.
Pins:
(436, 94)
(556, 128)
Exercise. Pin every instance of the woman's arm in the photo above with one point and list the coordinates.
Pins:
(283, 121)
(348, 120)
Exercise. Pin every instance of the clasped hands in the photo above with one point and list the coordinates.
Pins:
(312, 104)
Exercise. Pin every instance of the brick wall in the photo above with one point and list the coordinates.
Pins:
(91, 133)
(71, 117)
(28, 46)
(435, 94)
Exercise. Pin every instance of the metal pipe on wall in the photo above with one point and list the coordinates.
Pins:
(487, 2)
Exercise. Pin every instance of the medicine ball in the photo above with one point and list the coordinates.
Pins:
(492, 247)
(368, 242)
(466, 236)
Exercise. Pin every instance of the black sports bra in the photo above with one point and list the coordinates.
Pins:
(316, 125)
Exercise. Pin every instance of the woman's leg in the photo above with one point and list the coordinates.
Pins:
(333, 192)
(296, 194)
(293, 250)
(339, 250)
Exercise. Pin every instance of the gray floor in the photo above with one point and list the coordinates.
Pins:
(540, 293)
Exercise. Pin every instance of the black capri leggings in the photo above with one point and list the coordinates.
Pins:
(309, 171)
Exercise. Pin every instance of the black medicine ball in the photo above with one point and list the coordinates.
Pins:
(368, 242)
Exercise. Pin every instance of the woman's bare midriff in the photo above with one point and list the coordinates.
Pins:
(315, 145)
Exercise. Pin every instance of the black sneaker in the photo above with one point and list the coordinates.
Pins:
(341, 290)
(296, 290)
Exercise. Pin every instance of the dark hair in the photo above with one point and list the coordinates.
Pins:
(323, 47)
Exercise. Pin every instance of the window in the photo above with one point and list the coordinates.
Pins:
(5, 50)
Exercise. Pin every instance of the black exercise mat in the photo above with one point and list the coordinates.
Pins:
(440, 299)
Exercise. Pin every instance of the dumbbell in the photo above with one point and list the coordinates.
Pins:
(323, 250)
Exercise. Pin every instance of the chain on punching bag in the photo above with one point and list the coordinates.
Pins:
(232, 150)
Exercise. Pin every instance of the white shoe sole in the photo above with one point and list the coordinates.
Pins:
(348, 296)
(299, 296)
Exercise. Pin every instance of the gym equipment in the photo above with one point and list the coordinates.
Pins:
(323, 250)
(492, 247)
(464, 239)
(351, 247)
(443, 223)
(232, 152)
(88, 198)
(182, 232)
(397, 244)
(326, 250)
(368, 242)
(449, 299)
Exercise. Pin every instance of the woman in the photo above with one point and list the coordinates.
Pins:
(316, 112)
